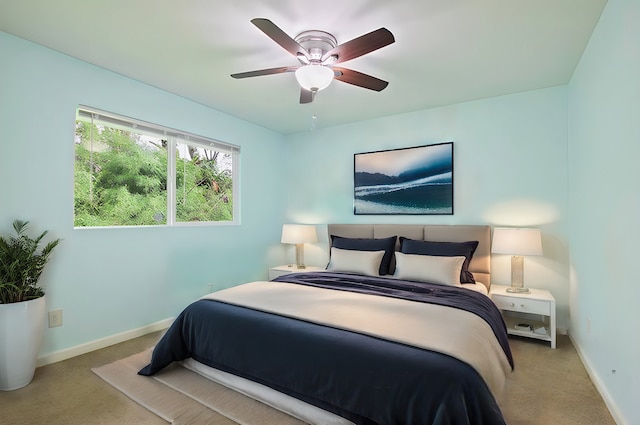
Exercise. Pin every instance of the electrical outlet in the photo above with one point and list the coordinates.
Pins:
(55, 318)
(588, 325)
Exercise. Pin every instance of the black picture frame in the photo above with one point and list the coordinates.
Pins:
(406, 181)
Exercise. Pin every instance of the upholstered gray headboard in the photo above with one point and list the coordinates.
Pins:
(480, 264)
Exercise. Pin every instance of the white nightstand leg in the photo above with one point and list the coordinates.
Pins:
(552, 326)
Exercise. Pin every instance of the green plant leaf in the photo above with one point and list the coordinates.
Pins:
(21, 264)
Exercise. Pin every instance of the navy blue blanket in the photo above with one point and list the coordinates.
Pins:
(362, 378)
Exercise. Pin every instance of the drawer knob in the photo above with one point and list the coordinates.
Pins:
(522, 305)
(512, 305)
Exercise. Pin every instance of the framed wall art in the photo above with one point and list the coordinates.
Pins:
(416, 180)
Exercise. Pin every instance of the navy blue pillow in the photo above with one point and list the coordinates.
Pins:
(388, 245)
(443, 249)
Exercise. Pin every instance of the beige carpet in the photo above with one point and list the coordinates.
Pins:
(181, 396)
(547, 387)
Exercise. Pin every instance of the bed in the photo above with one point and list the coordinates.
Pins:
(398, 330)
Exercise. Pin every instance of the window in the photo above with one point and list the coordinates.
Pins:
(132, 173)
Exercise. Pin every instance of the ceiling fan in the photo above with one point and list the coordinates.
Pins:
(318, 52)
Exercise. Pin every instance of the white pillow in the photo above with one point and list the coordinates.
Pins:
(362, 262)
(429, 268)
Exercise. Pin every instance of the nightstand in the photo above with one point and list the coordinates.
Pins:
(537, 309)
(280, 270)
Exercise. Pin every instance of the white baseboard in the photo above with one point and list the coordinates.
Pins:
(597, 382)
(102, 343)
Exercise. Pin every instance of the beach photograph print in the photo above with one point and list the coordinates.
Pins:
(416, 180)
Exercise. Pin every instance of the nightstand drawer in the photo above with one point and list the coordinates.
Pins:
(522, 305)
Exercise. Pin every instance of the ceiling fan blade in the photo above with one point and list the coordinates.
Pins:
(306, 96)
(280, 37)
(269, 71)
(359, 79)
(361, 45)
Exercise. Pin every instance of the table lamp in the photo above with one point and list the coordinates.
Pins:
(517, 242)
(299, 234)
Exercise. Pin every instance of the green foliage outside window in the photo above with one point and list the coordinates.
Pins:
(204, 193)
(121, 180)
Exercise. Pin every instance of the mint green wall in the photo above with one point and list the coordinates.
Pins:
(561, 158)
(109, 281)
(510, 157)
(604, 205)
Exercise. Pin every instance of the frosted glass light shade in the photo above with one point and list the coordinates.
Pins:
(314, 77)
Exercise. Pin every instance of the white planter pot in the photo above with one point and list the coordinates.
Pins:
(21, 330)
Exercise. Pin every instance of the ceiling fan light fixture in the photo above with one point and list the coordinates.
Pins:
(314, 77)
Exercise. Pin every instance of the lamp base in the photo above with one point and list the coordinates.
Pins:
(517, 276)
(516, 290)
(300, 256)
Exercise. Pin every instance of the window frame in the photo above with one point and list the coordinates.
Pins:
(173, 137)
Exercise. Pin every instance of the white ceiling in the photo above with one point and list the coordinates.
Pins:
(446, 51)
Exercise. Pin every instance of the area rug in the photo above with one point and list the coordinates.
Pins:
(183, 397)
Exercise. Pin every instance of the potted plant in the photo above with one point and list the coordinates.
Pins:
(22, 304)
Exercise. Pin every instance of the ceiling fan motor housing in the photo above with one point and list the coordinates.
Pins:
(317, 43)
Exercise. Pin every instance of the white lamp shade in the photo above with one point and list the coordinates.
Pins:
(516, 241)
(314, 77)
(299, 233)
